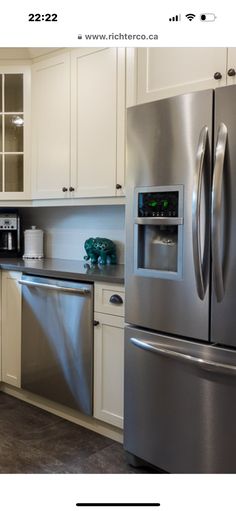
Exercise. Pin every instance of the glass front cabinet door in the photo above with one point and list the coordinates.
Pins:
(14, 136)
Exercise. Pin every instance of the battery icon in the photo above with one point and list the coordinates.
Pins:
(207, 16)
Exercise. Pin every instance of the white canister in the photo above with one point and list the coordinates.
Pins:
(33, 243)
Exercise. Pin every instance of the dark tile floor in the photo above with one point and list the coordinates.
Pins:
(33, 441)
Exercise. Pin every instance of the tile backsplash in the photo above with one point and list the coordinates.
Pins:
(66, 228)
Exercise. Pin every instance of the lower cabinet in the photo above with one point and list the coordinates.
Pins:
(109, 354)
(11, 328)
(108, 344)
(108, 369)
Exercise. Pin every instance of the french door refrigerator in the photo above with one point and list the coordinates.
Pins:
(180, 346)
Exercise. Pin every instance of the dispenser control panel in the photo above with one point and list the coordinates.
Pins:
(158, 204)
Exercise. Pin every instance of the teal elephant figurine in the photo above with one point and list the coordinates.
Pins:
(100, 250)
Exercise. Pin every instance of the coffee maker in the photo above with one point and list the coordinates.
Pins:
(9, 233)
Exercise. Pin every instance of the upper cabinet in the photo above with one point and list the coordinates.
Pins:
(51, 127)
(79, 124)
(156, 73)
(14, 132)
(74, 146)
(231, 66)
(98, 112)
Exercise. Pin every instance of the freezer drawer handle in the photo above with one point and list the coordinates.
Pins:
(196, 205)
(216, 211)
(82, 291)
(208, 365)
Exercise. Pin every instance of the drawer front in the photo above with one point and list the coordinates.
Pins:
(109, 299)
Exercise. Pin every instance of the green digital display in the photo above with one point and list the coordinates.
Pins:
(153, 203)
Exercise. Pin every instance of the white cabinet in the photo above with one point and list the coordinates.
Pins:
(98, 111)
(15, 106)
(51, 127)
(108, 369)
(108, 354)
(11, 328)
(79, 124)
(156, 73)
(231, 66)
(105, 301)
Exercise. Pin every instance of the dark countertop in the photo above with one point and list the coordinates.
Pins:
(66, 269)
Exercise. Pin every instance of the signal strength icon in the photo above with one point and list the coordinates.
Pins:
(190, 17)
(175, 18)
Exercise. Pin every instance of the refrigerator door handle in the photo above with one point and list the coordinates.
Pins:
(216, 211)
(196, 204)
(208, 365)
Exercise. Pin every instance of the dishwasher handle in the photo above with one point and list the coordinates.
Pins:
(82, 291)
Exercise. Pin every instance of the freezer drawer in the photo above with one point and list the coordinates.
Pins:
(180, 410)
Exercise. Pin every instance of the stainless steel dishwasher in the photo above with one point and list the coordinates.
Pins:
(57, 340)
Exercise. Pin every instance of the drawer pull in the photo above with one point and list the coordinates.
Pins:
(116, 300)
(95, 323)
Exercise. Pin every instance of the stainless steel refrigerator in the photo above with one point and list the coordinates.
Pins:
(180, 346)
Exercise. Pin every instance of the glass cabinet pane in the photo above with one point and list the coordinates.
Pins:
(11, 132)
(0, 93)
(0, 133)
(13, 172)
(13, 93)
(14, 133)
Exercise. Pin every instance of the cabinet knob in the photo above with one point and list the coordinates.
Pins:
(64, 189)
(231, 72)
(116, 300)
(118, 187)
(217, 75)
(95, 323)
(71, 189)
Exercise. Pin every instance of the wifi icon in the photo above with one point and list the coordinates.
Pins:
(190, 17)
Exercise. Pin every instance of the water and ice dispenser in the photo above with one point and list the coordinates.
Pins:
(158, 221)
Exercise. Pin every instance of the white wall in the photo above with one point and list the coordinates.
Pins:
(67, 228)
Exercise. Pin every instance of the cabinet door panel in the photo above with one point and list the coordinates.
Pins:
(15, 131)
(231, 64)
(11, 328)
(166, 72)
(94, 122)
(109, 369)
(51, 127)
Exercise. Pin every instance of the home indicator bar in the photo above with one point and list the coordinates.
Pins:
(121, 505)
